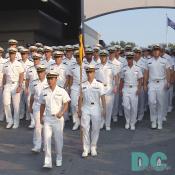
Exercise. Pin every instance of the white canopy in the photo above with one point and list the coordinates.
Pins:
(95, 8)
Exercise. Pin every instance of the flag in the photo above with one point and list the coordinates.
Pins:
(81, 48)
(170, 23)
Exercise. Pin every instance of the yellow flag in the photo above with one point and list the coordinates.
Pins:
(81, 48)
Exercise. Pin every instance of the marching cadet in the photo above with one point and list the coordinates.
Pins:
(13, 44)
(169, 96)
(157, 75)
(13, 75)
(113, 60)
(36, 88)
(130, 85)
(88, 60)
(47, 61)
(140, 62)
(118, 55)
(30, 76)
(24, 98)
(61, 68)
(107, 73)
(146, 53)
(54, 102)
(2, 62)
(96, 56)
(74, 73)
(89, 107)
(69, 58)
(32, 51)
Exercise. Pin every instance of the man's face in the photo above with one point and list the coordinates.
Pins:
(77, 59)
(1, 54)
(137, 55)
(48, 54)
(96, 53)
(130, 61)
(90, 75)
(13, 45)
(89, 56)
(146, 53)
(52, 81)
(36, 61)
(69, 53)
(103, 59)
(117, 53)
(12, 55)
(156, 53)
(58, 59)
(41, 75)
(24, 56)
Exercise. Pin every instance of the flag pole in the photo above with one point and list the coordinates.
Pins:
(166, 30)
(81, 55)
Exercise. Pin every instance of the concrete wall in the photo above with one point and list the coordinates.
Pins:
(29, 26)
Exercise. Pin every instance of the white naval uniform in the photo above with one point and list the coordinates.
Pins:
(115, 110)
(48, 63)
(91, 112)
(2, 62)
(62, 70)
(156, 88)
(31, 75)
(24, 99)
(105, 74)
(123, 63)
(36, 89)
(141, 63)
(130, 77)
(74, 72)
(12, 72)
(169, 92)
(53, 101)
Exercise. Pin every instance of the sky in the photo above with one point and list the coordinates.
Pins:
(142, 26)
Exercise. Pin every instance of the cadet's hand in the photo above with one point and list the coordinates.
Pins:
(115, 90)
(27, 92)
(60, 114)
(18, 90)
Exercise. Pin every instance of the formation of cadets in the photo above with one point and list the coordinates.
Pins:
(43, 84)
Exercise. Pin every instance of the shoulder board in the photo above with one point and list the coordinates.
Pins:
(65, 63)
(98, 81)
(35, 80)
(31, 66)
(138, 66)
(46, 88)
(84, 81)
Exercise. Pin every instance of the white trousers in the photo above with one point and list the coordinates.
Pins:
(74, 103)
(53, 126)
(109, 107)
(8, 94)
(90, 114)
(24, 103)
(130, 104)
(115, 110)
(37, 138)
(141, 104)
(2, 115)
(157, 102)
